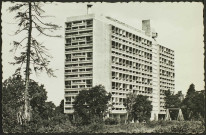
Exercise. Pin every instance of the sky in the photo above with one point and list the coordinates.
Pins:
(179, 27)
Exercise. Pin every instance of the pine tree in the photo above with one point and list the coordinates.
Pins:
(29, 16)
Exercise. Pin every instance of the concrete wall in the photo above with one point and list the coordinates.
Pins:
(155, 82)
(101, 54)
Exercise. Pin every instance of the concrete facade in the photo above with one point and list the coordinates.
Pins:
(102, 50)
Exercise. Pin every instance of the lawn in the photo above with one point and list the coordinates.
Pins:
(194, 127)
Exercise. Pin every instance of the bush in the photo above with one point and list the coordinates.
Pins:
(77, 121)
(180, 127)
(111, 121)
(152, 124)
(96, 127)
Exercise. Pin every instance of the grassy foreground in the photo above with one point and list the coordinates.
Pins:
(151, 127)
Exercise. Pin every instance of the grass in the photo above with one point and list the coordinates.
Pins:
(151, 127)
(186, 127)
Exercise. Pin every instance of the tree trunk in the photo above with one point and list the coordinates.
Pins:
(127, 121)
(27, 105)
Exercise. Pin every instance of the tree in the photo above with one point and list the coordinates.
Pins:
(190, 91)
(193, 105)
(92, 103)
(29, 17)
(142, 108)
(187, 103)
(12, 90)
(198, 106)
(12, 93)
(172, 101)
(128, 103)
(60, 108)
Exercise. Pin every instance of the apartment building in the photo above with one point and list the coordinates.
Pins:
(103, 50)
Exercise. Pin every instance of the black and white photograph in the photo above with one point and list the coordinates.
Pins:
(103, 67)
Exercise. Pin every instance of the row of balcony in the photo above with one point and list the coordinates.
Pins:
(79, 58)
(116, 57)
(124, 55)
(166, 56)
(118, 44)
(79, 23)
(78, 62)
(122, 69)
(134, 65)
(166, 52)
(167, 80)
(79, 44)
(167, 76)
(166, 66)
(137, 46)
(78, 86)
(133, 82)
(77, 67)
(167, 84)
(77, 34)
(80, 28)
(132, 69)
(88, 48)
(166, 87)
(140, 88)
(171, 69)
(164, 63)
(132, 39)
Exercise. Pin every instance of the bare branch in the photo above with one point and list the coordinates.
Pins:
(47, 24)
(19, 31)
(37, 7)
(17, 44)
(16, 7)
(38, 53)
(41, 31)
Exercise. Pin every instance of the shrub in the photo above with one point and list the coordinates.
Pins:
(152, 124)
(77, 121)
(180, 127)
(111, 121)
(96, 127)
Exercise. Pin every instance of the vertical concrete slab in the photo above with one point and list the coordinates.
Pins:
(102, 54)
(155, 82)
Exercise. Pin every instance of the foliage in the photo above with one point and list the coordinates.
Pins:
(43, 112)
(12, 99)
(185, 127)
(91, 103)
(172, 101)
(193, 105)
(47, 118)
(111, 121)
(29, 17)
(142, 108)
(156, 127)
(128, 103)
(60, 108)
(138, 107)
(190, 91)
